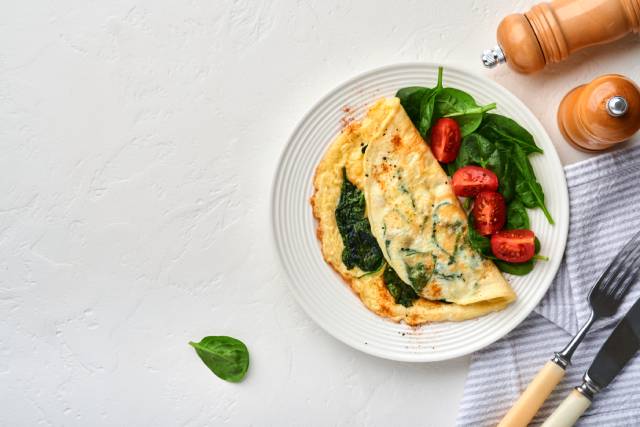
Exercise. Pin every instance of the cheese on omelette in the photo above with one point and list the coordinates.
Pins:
(415, 217)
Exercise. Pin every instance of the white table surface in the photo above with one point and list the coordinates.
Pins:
(139, 140)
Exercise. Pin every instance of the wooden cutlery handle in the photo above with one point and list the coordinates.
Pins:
(569, 411)
(523, 411)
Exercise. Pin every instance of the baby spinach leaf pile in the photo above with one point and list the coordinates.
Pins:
(489, 140)
(226, 357)
(360, 247)
(425, 105)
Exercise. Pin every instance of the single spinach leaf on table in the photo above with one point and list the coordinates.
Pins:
(226, 357)
(401, 292)
(496, 127)
(517, 216)
(360, 246)
(527, 188)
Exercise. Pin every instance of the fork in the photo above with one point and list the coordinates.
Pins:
(604, 299)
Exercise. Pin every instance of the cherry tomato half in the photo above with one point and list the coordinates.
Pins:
(489, 212)
(445, 140)
(471, 180)
(513, 245)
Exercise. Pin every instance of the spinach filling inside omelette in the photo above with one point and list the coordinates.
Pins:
(360, 247)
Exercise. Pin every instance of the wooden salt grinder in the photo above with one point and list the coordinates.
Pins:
(600, 114)
(550, 32)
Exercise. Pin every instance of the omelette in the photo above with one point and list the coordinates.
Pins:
(390, 225)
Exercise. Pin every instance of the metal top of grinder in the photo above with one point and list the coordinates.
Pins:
(617, 106)
(493, 57)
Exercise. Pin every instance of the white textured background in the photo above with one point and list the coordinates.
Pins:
(138, 142)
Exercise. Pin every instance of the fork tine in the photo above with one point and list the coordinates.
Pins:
(607, 278)
(607, 294)
(630, 275)
(622, 268)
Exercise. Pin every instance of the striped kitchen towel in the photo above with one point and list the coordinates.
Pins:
(604, 194)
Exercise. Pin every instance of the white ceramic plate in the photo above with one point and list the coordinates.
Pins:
(323, 294)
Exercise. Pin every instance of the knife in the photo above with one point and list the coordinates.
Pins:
(618, 349)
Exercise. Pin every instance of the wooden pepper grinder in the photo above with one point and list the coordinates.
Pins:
(600, 114)
(550, 32)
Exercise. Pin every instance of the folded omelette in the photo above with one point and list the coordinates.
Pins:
(414, 219)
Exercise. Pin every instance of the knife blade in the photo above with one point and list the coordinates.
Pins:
(615, 353)
(617, 350)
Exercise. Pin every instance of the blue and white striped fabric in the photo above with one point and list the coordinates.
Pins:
(604, 195)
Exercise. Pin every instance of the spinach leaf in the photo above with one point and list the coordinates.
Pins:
(497, 127)
(453, 101)
(468, 123)
(478, 242)
(467, 204)
(360, 247)
(427, 105)
(517, 269)
(410, 99)
(227, 357)
(472, 110)
(517, 216)
(477, 150)
(461, 106)
(505, 174)
(527, 188)
(401, 292)
(537, 246)
(426, 112)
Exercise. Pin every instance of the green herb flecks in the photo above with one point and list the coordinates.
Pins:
(419, 276)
